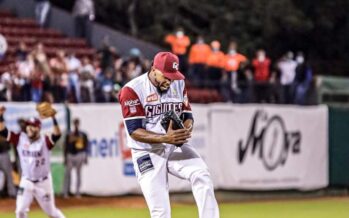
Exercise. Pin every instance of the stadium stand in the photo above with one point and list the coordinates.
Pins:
(26, 30)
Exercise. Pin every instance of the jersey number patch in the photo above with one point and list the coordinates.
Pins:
(39, 162)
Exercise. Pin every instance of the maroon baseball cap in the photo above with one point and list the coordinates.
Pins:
(33, 121)
(168, 64)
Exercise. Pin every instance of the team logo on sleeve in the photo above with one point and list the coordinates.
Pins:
(152, 97)
(132, 104)
(133, 109)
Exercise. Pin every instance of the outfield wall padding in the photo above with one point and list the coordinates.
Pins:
(339, 146)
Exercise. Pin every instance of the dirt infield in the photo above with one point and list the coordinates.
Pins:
(7, 205)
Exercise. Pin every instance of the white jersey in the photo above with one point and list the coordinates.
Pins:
(140, 100)
(34, 156)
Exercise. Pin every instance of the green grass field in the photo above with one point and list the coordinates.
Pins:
(319, 208)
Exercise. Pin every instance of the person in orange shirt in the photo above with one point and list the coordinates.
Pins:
(215, 65)
(234, 62)
(198, 55)
(179, 43)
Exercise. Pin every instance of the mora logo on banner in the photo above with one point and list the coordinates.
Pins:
(269, 140)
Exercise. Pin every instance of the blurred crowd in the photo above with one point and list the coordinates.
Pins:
(35, 76)
(240, 79)
(66, 78)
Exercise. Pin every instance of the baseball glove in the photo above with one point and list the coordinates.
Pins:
(176, 122)
(45, 110)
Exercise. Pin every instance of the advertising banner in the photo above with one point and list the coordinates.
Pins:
(250, 147)
(269, 147)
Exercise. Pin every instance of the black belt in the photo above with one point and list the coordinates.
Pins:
(38, 180)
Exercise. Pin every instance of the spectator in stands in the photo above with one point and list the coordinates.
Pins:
(107, 85)
(75, 155)
(96, 63)
(87, 76)
(6, 84)
(6, 166)
(131, 71)
(42, 8)
(17, 85)
(84, 11)
(234, 62)
(36, 80)
(179, 43)
(198, 55)
(3, 47)
(134, 66)
(73, 66)
(119, 75)
(40, 72)
(24, 68)
(303, 78)
(215, 65)
(22, 51)
(261, 66)
(60, 71)
(107, 54)
(287, 67)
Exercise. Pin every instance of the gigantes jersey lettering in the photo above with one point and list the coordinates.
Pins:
(144, 106)
(34, 156)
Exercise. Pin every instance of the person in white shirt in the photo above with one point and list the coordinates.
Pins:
(287, 67)
(74, 65)
(83, 11)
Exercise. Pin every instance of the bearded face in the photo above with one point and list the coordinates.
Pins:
(33, 132)
(163, 83)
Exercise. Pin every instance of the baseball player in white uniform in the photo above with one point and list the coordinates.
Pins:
(144, 100)
(34, 154)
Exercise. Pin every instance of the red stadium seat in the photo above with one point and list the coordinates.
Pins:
(203, 95)
(5, 13)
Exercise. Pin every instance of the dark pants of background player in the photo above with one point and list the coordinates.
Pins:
(183, 64)
(6, 168)
(213, 78)
(261, 92)
(287, 94)
(82, 29)
(246, 94)
(196, 75)
(226, 87)
(230, 89)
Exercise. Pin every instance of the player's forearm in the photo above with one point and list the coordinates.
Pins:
(145, 136)
(188, 123)
(2, 123)
(56, 129)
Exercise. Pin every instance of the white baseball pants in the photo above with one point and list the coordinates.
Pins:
(42, 192)
(152, 168)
